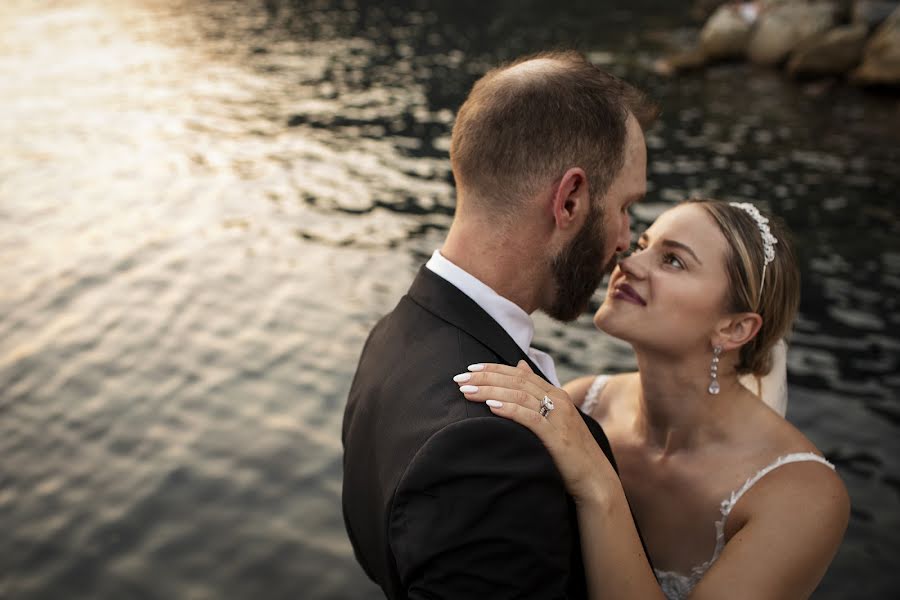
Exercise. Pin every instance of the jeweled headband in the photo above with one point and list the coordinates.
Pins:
(768, 239)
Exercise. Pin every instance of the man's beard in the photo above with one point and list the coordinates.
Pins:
(577, 271)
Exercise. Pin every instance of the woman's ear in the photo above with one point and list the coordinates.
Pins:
(737, 330)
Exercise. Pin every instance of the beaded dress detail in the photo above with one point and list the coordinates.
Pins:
(677, 586)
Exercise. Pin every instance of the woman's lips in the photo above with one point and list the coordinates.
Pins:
(625, 292)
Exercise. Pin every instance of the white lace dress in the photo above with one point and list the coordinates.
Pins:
(677, 586)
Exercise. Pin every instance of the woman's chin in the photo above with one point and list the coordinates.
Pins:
(605, 321)
(602, 319)
(604, 314)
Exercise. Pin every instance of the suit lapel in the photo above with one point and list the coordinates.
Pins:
(443, 299)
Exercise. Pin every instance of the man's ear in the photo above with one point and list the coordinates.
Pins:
(738, 329)
(571, 199)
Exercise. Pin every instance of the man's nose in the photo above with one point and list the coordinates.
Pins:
(623, 243)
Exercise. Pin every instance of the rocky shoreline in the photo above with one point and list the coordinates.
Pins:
(858, 40)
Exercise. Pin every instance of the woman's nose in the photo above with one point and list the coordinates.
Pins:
(631, 266)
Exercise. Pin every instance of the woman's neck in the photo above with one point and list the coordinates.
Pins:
(676, 411)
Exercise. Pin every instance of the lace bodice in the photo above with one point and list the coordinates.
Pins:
(677, 586)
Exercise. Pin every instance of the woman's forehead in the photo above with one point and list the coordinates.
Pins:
(688, 219)
(692, 225)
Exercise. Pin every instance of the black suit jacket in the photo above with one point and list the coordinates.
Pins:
(442, 498)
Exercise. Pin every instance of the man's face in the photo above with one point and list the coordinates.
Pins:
(581, 265)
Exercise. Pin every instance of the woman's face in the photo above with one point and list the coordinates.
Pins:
(669, 294)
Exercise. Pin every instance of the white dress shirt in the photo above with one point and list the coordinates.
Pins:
(515, 321)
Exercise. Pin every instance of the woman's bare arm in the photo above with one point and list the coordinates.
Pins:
(797, 516)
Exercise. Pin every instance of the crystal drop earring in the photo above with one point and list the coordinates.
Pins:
(714, 371)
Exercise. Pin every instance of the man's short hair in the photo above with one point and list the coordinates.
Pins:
(525, 123)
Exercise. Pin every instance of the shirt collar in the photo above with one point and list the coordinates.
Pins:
(509, 315)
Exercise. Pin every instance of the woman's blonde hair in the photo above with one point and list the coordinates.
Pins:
(776, 298)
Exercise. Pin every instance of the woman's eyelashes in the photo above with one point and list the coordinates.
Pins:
(672, 260)
(668, 258)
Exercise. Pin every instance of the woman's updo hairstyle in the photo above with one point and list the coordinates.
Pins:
(780, 297)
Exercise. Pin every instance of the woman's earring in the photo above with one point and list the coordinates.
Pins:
(714, 371)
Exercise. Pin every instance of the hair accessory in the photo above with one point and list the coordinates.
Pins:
(768, 239)
(714, 372)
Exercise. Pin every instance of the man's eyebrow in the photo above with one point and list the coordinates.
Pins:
(674, 244)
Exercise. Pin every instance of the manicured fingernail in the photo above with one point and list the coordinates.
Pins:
(476, 367)
(469, 389)
(493, 403)
(462, 377)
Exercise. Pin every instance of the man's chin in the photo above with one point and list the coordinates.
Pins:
(610, 266)
(568, 313)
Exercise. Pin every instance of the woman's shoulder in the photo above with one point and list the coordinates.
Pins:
(797, 500)
(596, 394)
(798, 478)
(578, 388)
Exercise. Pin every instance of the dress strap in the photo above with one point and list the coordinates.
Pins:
(593, 394)
(729, 503)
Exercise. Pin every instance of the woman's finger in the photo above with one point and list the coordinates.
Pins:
(483, 393)
(521, 370)
(529, 418)
(515, 380)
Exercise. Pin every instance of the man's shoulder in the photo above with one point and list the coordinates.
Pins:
(473, 451)
(485, 438)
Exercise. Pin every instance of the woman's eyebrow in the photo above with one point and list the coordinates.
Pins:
(673, 244)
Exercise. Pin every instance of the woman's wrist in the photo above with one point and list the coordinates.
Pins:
(599, 493)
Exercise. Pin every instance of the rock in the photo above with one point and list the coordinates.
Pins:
(831, 53)
(682, 61)
(873, 13)
(881, 57)
(727, 33)
(785, 26)
(702, 9)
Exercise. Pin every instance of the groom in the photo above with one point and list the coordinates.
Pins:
(441, 498)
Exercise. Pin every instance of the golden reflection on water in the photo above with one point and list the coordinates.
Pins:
(155, 290)
(113, 135)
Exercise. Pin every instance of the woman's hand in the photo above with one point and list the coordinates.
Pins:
(516, 393)
(614, 559)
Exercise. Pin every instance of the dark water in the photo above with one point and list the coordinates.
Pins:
(204, 206)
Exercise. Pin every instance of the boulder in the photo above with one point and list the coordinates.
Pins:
(881, 57)
(873, 13)
(834, 52)
(703, 9)
(785, 26)
(688, 60)
(727, 33)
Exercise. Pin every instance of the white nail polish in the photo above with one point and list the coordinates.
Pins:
(462, 377)
(469, 389)
(493, 403)
(476, 367)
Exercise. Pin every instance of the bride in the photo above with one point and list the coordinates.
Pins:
(732, 501)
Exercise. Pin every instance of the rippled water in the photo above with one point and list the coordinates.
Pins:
(204, 206)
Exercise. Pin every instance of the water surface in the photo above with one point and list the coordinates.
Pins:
(204, 207)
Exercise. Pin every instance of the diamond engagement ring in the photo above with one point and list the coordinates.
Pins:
(546, 406)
